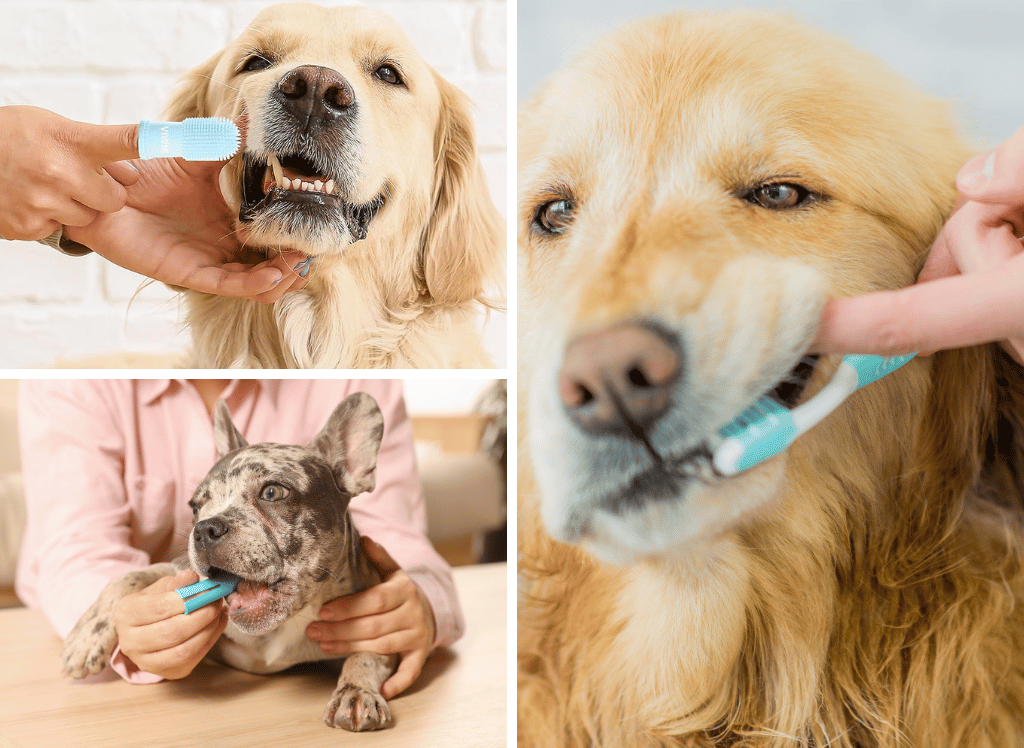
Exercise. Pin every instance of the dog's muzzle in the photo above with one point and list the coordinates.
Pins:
(301, 175)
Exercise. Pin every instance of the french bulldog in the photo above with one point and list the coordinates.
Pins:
(277, 516)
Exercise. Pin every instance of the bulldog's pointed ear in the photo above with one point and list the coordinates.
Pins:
(350, 442)
(225, 436)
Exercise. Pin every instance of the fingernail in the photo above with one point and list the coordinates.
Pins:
(976, 173)
(304, 266)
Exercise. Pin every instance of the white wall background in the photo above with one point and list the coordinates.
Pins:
(435, 396)
(967, 52)
(115, 61)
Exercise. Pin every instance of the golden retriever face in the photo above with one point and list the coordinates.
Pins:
(691, 191)
(342, 117)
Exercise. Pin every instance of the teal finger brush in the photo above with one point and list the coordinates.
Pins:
(195, 139)
(206, 591)
(767, 428)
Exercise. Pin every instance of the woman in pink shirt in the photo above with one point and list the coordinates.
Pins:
(110, 465)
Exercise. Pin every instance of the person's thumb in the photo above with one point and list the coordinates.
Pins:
(169, 584)
(104, 144)
(380, 557)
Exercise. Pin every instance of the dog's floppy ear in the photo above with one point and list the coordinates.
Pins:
(189, 99)
(463, 239)
(225, 436)
(350, 442)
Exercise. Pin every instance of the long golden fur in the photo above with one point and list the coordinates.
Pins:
(863, 589)
(403, 291)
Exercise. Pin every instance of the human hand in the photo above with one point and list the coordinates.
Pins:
(393, 617)
(51, 171)
(971, 289)
(155, 634)
(175, 228)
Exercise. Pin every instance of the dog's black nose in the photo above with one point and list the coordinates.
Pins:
(209, 531)
(315, 93)
(618, 379)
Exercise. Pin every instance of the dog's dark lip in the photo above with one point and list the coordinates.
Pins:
(663, 481)
(320, 205)
(791, 388)
(218, 574)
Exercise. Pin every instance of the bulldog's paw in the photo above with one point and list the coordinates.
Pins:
(88, 647)
(357, 709)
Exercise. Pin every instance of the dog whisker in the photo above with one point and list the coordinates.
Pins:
(219, 83)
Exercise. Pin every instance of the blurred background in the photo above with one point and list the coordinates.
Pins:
(459, 427)
(117, 61)
(970, 54)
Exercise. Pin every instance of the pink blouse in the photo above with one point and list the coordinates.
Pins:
(109, 467)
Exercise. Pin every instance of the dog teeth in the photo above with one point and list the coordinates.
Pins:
(274, 175)
(275, 165)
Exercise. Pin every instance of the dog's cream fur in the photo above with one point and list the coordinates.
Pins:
(408, 295)
(862, 589)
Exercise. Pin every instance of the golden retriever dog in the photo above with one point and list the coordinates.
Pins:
(692, 189)
(362, 157)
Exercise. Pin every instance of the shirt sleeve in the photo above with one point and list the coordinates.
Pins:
(394, 514)
(62, 244)
(77, 535)
(78, 531)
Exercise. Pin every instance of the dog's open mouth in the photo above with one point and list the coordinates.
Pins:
(292, 181)
(251, 598)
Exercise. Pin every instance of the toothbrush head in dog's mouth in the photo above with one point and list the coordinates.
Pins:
(290, 189)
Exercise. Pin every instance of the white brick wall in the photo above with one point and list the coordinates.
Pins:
(109, 61)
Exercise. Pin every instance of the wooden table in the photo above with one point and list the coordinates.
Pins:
(459, 699)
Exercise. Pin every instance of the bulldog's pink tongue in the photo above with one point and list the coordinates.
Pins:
(249, 595)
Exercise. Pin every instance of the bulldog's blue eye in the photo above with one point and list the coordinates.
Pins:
(273, 492)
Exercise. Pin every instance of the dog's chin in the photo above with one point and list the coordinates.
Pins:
(664, 514)
(276, 212)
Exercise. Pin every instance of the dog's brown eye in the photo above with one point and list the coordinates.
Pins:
(388, 74)
(256, 62)
(555, 217)
(273, 492)
(779, 195)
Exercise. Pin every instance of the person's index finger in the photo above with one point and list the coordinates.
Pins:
(952, 312)
(105, 144)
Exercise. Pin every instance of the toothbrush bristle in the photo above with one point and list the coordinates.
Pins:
(209, 139)
(759, 411)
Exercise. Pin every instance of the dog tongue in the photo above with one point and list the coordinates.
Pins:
(249, 595)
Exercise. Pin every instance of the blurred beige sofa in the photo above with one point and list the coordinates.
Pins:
(464, 489)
